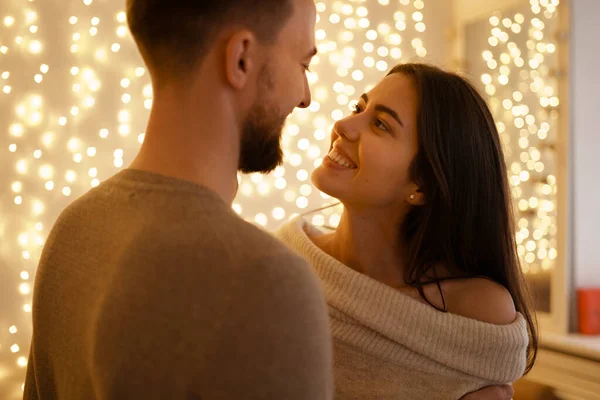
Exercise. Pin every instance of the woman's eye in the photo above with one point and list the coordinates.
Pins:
(379, 124)
(356, 109)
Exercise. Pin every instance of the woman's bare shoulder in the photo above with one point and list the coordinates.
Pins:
(480, 299)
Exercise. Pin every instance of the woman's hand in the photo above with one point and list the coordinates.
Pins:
(504, 392)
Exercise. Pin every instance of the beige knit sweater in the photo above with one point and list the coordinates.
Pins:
(390, 346)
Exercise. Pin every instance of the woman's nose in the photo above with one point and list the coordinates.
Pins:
(347, 129)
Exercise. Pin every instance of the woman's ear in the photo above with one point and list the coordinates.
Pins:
(416, 197)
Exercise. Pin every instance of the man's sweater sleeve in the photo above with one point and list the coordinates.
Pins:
(275, 343)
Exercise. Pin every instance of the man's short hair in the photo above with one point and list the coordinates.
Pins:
(174, 35)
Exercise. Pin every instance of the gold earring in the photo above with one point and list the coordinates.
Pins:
(413, 196)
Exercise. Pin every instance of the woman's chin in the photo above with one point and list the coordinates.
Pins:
(323, 180)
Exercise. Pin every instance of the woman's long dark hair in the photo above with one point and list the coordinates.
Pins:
(466, 223)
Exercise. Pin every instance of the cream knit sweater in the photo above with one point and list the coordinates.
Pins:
(390, 346)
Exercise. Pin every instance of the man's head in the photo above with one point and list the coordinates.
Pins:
(258, 50)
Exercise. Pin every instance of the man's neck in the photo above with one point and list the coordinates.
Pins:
(194, 140)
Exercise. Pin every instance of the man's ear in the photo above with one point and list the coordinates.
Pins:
(240, 58)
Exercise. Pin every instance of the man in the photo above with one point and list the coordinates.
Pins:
(150, 286)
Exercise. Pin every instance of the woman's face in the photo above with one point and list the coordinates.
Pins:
(372, 149)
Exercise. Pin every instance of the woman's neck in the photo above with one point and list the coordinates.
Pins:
(369, 243)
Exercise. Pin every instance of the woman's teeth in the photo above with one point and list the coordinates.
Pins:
(340, 159)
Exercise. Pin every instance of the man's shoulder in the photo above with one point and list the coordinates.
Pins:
(219, 237)
(187, 233)
(234, 233)
(261, 252)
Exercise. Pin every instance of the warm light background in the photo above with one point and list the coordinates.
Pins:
(74, 99)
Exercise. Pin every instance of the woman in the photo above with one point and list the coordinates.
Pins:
(422, 277)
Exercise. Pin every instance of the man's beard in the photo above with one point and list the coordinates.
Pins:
(260, 149)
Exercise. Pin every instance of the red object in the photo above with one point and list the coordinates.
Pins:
(589, 311)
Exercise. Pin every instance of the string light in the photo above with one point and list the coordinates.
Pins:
(47, 166)
(522, 95)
